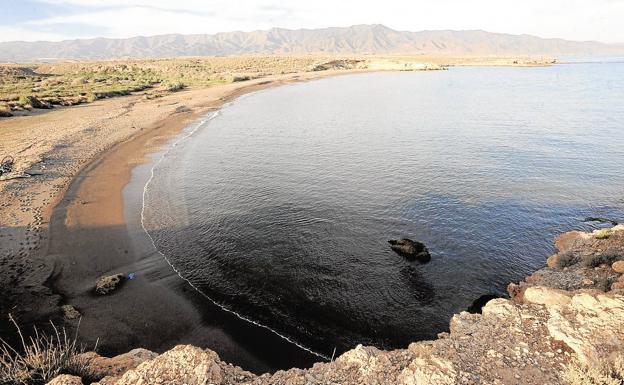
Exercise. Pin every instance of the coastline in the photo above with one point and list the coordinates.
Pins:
(89, 219)
(92, 222)
(69, 227)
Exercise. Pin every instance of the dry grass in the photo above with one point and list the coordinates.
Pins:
(71, 83)
(76, 83)
(610, 373)
(41, 358)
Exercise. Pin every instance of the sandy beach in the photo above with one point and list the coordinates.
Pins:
(68, 225)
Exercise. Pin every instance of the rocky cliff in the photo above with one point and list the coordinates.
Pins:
(562, 325)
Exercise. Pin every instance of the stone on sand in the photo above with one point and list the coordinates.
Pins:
(109, 283)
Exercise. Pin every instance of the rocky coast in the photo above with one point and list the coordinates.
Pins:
(562, 325)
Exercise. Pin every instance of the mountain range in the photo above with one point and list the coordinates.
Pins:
(359, 39)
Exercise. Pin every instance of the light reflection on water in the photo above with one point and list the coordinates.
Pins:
(280, 208)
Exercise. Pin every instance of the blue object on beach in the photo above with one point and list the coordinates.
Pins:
(131, 276)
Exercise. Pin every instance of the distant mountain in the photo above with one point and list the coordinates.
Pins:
(359, 39)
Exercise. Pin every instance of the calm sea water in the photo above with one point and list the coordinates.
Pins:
(281, 206)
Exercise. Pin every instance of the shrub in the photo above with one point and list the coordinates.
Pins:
(174, 86)
(566, 259)
(32, 101)
(241, 78)
(41, 358)
(594, 260)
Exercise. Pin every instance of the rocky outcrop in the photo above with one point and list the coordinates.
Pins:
(584, 261)
(185, 364)
(111, 369)
(109, 283)
(66, 379)
(547, 333)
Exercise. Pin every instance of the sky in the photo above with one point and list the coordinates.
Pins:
(32, 20)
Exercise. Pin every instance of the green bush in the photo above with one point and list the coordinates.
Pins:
(174, 86)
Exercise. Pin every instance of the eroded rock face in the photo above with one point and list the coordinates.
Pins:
(188, 365)
(109, 283)
(116, 366)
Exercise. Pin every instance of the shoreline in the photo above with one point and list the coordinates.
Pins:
(92, 201)
(85, 221)
(111, 183)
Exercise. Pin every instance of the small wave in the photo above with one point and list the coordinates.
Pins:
(145, 188)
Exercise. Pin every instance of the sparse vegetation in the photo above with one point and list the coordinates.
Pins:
(75, 83)
(41, 357)
(241, 78)
(174, 86)
(587, 260)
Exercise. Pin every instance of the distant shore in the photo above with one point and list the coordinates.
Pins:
(69, 224)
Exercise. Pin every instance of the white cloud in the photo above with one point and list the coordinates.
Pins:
(571, 19)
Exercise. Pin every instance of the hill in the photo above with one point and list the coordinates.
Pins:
(359, 39)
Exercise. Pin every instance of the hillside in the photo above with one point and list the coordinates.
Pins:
(360, 39)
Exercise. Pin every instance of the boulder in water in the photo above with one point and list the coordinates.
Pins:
(412, 250)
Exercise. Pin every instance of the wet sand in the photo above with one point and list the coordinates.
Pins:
(61, 230)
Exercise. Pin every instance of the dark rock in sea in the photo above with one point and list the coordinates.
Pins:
(411, 250)
(109, 283)
(477, 304)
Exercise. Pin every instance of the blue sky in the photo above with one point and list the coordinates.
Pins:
(68, 19)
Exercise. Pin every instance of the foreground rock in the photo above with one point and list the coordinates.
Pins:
(185, 364)
(107, 284)
(545, 334)
(70, 312)
(412, 250)
(65, 379)
(114, 367)
(509, 343)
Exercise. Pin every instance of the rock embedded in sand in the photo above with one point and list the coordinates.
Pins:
(108, 283)
(618, 267)
(410, 249)
(70, 312)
